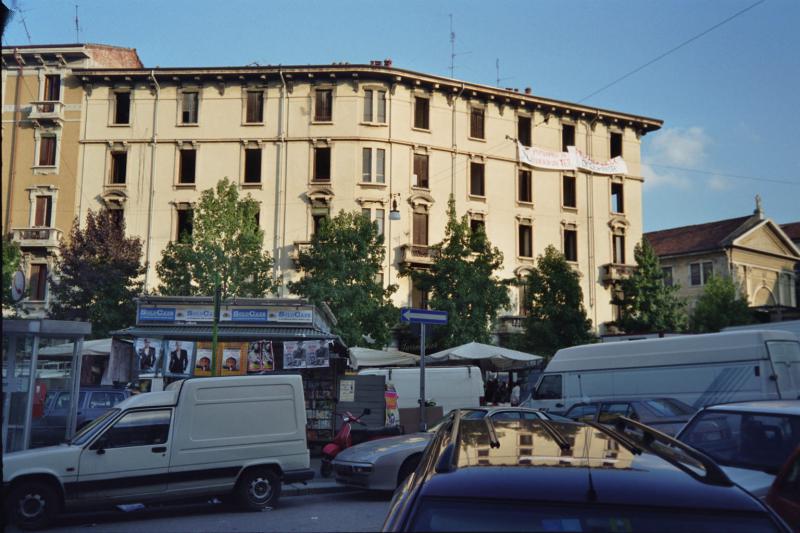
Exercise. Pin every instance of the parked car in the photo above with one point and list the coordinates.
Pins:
(51, 427)
(784, 496)
(667, 415)
(539, 475)
(384, 464)
(749, 440)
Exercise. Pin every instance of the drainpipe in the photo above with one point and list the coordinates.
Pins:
(454, 146)
(590, 227)
(285, 175)
(85, 115)
(278, 166)
(387, 226)
(12, 166)
(153, 143)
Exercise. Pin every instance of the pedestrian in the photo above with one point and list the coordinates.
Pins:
(502, 393)
(515, 392)
(491, 390)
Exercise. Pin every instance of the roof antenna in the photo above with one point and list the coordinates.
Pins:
(452, 47)
(497, 68)
(16, 8)
(77, 26)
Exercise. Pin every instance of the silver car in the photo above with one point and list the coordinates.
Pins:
(385, 463)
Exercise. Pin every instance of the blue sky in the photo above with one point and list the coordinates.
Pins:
(728, 99)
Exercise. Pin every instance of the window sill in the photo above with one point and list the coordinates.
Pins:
(569, 209)
(618, 213)
(372, 184)
(320, 182)
(423, 130)
(477, 198)
(253, 123)
(114, 125)
(322, 122)
(45, 169)
(185, 185)
(522, 203)
(116, 185)
(252, 184)
(374, 124)
(525, 259)
(421, 188)
(477, 139)
(188, 125)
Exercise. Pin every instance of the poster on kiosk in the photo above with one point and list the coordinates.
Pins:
(204, 358)
(231, 360)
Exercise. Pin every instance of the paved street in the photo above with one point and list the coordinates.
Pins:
(349, 511)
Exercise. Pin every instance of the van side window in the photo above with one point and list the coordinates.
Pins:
(549, 388)
(143, 428)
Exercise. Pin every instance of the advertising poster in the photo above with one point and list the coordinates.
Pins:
(148, 354)
(259, 356)
(306, 354)
(178, 360)
(392, 411)
(232, 362)
(204, 359)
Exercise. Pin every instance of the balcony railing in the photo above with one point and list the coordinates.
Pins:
(418, 254)
(37, 237)
(511, 324)
(614, 272)
(47, 111)
(299, 247)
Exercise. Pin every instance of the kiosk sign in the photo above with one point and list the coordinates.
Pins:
(156, 314)
(249, 315)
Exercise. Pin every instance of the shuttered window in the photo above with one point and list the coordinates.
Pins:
(323, 105)
(119, 167)
(252, 165)
(255, 107)
(476, 126)
(570, 245)
(43, 214)
(421, 170)
(47, 151)
(569, 197)
(366, 165)
(368, 105)
(525, 240)
(189, 107)
(322, 164)
(421, 113)
(420, 228)
(38, 282)
(477, 185)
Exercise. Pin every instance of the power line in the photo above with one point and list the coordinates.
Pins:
(734, 176)
(671, 50)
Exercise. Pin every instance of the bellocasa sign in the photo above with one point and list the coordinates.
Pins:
(156, 314)
(182, 314)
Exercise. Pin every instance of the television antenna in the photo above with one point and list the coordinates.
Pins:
(453, 53)
(497, 69)
(15, 7)
(77, 26)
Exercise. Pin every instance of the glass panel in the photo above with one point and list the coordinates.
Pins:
(708, 271)
(549, 388)
(366, 165)
(380, 164)
(367, 106)
(379, 213)
(16, 382)
(137, 429)
(694, 273)
(381, 106)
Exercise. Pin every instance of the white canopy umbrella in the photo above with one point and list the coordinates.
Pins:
(388, 357)
(502, 358)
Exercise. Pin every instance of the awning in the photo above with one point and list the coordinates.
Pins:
(360, 357)
(502, 358)
(232, 333)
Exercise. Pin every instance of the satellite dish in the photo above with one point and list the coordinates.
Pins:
(18, 286)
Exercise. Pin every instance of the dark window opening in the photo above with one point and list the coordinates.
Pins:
(567, 136)
(255, 106)
(667, 279)
(421, 170)
(317, 219)
(185, 225)
(117, 217)
(419, 298)
(47, 151)
(323, 105)
(38, 282)
(52, 91)
(524, 130)
(122, 107)
(569, 199)
(252, 165)
(616, 145)
(477, 186)
(189, 108)
(570, 245)
(525, 189)
(119, 167)
(617, 198)
(525, 240)
(44, 212)
(187, 167)
(476, 123)
(421, 113)
(476, 224)
(322, 164)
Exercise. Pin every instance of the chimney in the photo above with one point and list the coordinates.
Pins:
(387, 62)
(527, 90)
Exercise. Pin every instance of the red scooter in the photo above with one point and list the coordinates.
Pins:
(347, 436)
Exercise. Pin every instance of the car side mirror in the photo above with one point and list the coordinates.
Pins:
(100, 446)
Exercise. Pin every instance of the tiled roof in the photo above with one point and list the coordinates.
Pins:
(691, 239)
(792, 230)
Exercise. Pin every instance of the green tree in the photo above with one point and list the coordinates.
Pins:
(462, 281)
(225, 246)
(648, 305)
(556, 316)
(722, 304)
(342, 269)
(98, 275)
(11, 261)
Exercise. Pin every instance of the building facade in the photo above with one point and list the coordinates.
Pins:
(42, 118)
(307, 142)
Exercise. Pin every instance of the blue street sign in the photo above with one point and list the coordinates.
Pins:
(422, 316)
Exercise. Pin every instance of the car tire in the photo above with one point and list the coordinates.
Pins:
(33, 504)
(407, 468)
(258, 489)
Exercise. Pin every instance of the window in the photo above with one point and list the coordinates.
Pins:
(52, 91)
(318, 217)
(47, 150)
(366, 164)
(700, 273)
(255, 107)
(422, 113)
(524, 130)
(375, 106)
(143, 428)
(476, 125)
(189, 107)
(38, 282)
(44, 212)
(567, 136)
(117, 216)
(617, 198)
(549, 388)
(570, 245)
(122, 107)
(619, 248)
(323, 105)
(524, 190)
(187, 165)
(419, 297)
(421, 170)
(380, 165)
(420, 230)
(252, 165)
(477, 224)
(378, 220)
(119, 167)
(183, 232)
(525, 234)
(322, 164)
(569, 197)
(523, 294)
(667, 279)
(476, 179)
(615, 145)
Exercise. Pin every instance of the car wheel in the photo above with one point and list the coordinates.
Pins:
(33, 504)
(325, 468)
(406, 469)
(258, 489)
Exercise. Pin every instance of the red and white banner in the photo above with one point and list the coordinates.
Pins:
(572, 159)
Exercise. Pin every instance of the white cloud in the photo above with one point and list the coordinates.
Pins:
(718, 183)
(679, 146)
(653, 179)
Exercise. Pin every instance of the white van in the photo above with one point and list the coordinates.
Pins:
(202, 436)
(451, 387)
(698, 369)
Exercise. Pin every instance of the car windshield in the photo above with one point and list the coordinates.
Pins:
(439, 514)
(90, 430)
(744, 440)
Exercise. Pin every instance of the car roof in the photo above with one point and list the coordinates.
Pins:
(779, 407)
(631, 399)
(530, 465)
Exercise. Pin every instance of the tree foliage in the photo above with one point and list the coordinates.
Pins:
(342, 269)
(556, 316)
(462, 281)
(722, 304)
(648, 305)
(11, 261)
(98, 275)
(225, 246)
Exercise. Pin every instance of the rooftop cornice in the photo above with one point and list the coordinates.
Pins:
(306, 73)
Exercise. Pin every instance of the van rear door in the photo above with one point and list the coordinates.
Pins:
(785, 359)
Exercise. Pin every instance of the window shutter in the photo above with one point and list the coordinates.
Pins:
(420, 229)
(41, 211)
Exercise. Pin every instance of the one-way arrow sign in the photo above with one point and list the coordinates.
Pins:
(422, 316)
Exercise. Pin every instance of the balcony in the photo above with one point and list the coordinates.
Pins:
(613, 272)
(47, 112)
(417, 254)
(37, 237)
(510, 324)
(299, 247)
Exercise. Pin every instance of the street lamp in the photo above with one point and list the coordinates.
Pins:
(394, 214)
